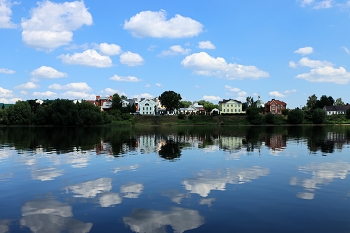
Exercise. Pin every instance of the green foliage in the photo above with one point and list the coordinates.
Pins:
(285, 112)
(295, 116)
(254, 116)
(325, 101)
(19, 114)
(348, 114)
(339, 102)
(318, 116)
(208, 106)
(116, 102)
(311, 102)
(170, 100)
(181, 116)
(270, 118)
(185, 104)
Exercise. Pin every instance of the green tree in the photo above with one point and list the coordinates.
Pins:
(270, 118)
(116, 102)
(311, 102)
(318, 116)
(170, 100)
(339, 102)
(254, 116)
(285, 112)
(19, 114)
(348, 114)
(325, 101)
(185, 104)
(208, 106)
(295, 116)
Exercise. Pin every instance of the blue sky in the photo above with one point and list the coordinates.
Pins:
(212, 50)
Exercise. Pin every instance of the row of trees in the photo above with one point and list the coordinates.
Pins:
(60, 112)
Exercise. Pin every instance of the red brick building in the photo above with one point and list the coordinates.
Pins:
(275, 106)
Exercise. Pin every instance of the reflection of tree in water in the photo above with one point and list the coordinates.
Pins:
(170, 150)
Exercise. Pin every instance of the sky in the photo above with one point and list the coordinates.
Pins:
(212, 50)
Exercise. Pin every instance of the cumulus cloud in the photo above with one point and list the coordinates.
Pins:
(5, 93)
(110, 91)
(276, 94)
(9, 101)
(204, 64)
(77, 95)
(313, 63)
(143, 95)
(89, 57)
(6, 71)
(241, 95)
(290, 91)
(155, 24)
(110, 49)
(47, 72)
(5, 14)
(211, 98)
(326, 74)
(79, 86)
(51, 24)
(174, 50)
(131, 59)
(125, 79)
(304, 51)
(28, 85)
(293, 64)
(158, 84)
(46, 94)
(206, 45)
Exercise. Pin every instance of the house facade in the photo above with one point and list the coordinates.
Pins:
(275, 106)
(230, 106)
(336, 110)
(148, 106)
(105, 103)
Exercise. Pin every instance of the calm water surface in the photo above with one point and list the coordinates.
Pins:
(173, 179)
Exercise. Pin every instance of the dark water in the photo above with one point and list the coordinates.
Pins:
(189, 179)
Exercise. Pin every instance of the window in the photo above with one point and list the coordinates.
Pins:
(231, 110)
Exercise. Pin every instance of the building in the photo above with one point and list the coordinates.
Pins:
(148, 106)
(275, 107)
(230, 106)
(336, 110)
(105, 103)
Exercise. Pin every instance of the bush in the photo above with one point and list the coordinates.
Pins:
(254, 116)
(285, 112)
(318, 116)
(348, 114)
(270, 118)
(181, 116)
(295, 116)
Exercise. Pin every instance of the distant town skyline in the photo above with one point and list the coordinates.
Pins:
(211, 50)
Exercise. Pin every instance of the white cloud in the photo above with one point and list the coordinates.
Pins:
(110, 49)
(9, 101)
(46, 94)
(28, 85)
(5, 14)
(324, 4)
(6, 71)
(47, 72)
(77, 95)
(326, 74)
(290, 91)
(206, 45)
(110, 91)
(203, 64)
(158, 84)
(276, 94)
(125, 78)
(211, 98)
(233, 89)
(174, 50)
(305, 2)
(313, 63)
(241, 94)
(5, 93)
(79, 86)
(152, 47)
(147, 85)
(23, 92)
(346, 49)
(155, 24)
(51, 24)
(143, 95)
(89, 57)
(304, 51)
(131, 59)
(293, 64)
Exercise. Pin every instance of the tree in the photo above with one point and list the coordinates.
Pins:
(325, 101)
(116, 102)
(311, 102)
(254, 116)
(318, 116)
(250, 102)
(295, 116)
(170, 100)
(270, 118)
(208, 106)
(339, 102)
(185, 104)
(19, 114)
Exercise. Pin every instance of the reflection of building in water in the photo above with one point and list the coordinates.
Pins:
(149, 221)
(275, 142)
(104, 148)
(339, 139)
(231, 143)
(322, 174)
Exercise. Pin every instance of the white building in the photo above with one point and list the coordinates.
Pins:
(230, 106)
(148, 106)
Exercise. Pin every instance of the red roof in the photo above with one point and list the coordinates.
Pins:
(278, 102)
